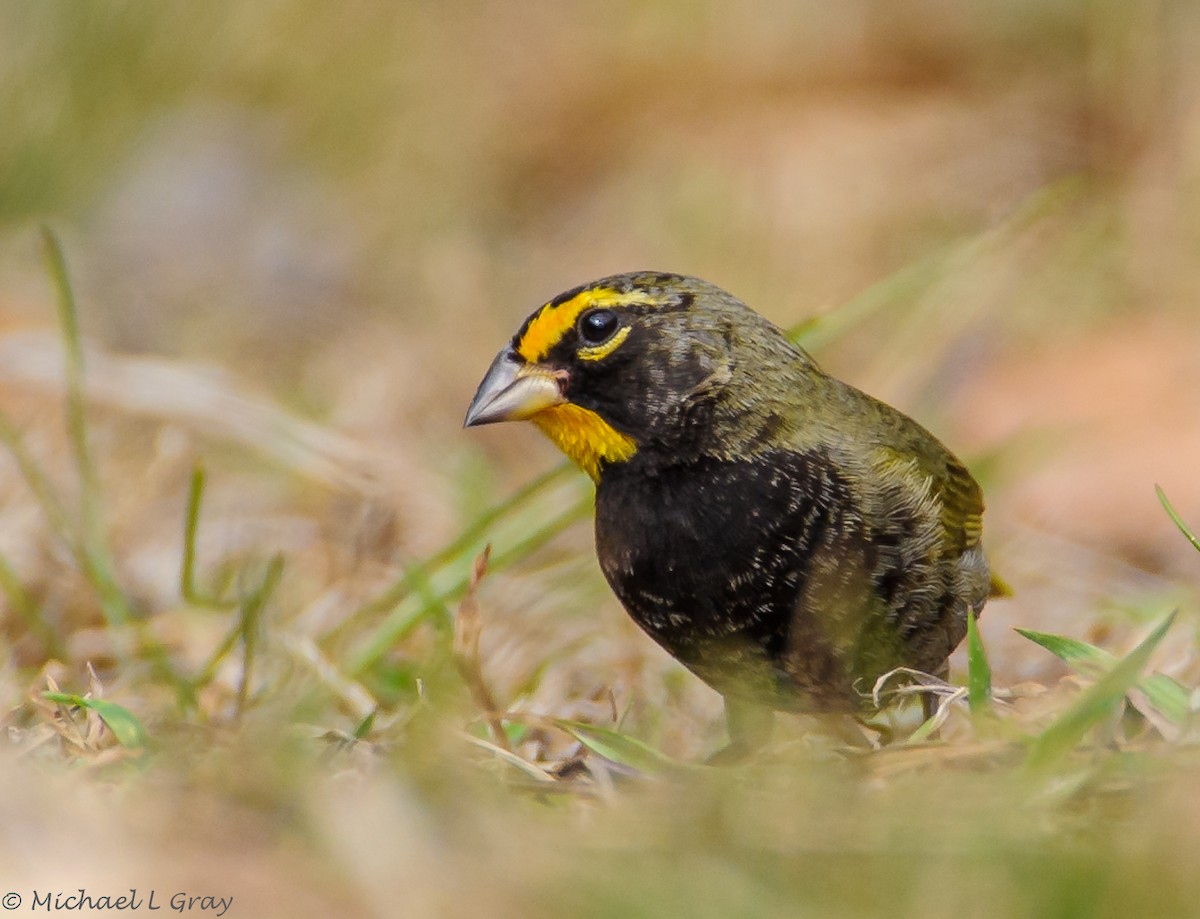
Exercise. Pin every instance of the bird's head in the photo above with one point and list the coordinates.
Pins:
(628, 363)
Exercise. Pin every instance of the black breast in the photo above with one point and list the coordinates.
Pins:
(755, 574)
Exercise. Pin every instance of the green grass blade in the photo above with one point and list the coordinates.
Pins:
(1178, 521)
(913, 280)
(406, 617)
(465, 544)
(252, 608)
(87, 541)
(121, 721)
(366, 726)
(1165, 694)
(247, 617)
(979, 671)
(904, 285)
(112, 601)
(618, 748)
(1088, 659)
(1095, 704)
(245, 629)
(97, 560)
(99, 566)
(187, 569)
(68, 319)
(1168, 696)
(209, 670)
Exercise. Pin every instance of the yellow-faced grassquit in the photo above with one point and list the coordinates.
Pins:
(786, 537)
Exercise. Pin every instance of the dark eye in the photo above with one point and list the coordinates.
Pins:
(598, 326)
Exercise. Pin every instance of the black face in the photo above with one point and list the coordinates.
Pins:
(642, 368)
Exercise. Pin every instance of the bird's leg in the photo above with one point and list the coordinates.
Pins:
(749, 727)
(929, 704)
(930, 701)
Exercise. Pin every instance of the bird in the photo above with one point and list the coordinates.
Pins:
(785, 536)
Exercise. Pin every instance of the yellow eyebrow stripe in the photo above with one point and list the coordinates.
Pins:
(552, 322)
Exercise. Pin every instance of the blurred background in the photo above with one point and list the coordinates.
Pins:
(299, 231)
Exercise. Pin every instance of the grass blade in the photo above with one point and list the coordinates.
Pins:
(124, 725)
(88, 542)
(404, 618)
(979, 671)
(913, 280)
(468, 626)
(1095, 704)
(1165, 694)
(617, 747)
(463, 544)
(1088, 659)
(187, 569)
(251, 610)
(68, 320)
(1178, 521)
(98, 561)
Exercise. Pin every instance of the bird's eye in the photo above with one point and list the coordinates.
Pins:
(598, 326)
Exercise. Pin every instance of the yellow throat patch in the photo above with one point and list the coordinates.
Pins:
(585, 437)
(580, 433)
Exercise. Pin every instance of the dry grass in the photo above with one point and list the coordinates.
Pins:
(298, 232)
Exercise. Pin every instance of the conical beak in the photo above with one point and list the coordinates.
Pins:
(513, 390)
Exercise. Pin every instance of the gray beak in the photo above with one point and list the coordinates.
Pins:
(513, 390)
